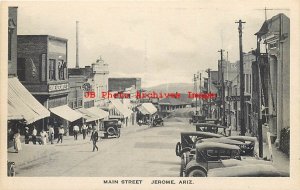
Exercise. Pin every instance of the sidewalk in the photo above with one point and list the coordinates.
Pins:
(280, 160)
(31, 152)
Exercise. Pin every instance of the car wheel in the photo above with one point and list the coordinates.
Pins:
(178, 149)
(197, 173)
(111, 131)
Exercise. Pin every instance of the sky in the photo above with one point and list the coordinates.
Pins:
(161, 42)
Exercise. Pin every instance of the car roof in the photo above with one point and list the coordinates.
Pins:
(251, 170)
(224, 140)
(211, 145)
(209, 125)
(243, 138)
(110, 120)
(196, 133)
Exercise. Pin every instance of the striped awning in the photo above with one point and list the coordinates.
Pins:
(22, 105)
(66, 113)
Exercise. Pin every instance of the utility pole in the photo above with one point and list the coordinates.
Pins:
(242, 82)
(77, 44)
(200, 104)
(209, 100)
(195, 85)
(223, 88)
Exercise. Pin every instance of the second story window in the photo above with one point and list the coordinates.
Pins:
(52, 69)
(61, 69)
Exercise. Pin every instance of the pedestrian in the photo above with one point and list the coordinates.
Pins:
(84, 130)
(75, 131)
(120, 123)
(94, 138)
(34, 133)
(51, 134)
(61, 132)
(17, 141)
(229, 129)
(26, 135)
(90, 129)
(44, 137)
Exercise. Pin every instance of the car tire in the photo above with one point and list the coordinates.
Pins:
(178, 149)
(197, 173)
(111, 131)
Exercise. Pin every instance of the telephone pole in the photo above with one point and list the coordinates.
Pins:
(77, 45)
(223, 88)
(195, 84)
(200, 103)
(242, 82)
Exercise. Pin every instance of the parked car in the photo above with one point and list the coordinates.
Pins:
(158, 121)
(111, 128)
(209, 127)
(188, 140)
(247, 170)
(187, 156)
(251, 145)
(197, 119)
(208, 155)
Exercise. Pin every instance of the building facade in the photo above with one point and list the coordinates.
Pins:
(12, 41)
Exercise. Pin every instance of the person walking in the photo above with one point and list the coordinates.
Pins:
(61, 132)
(94, 138)
(84, 130)
(34, 133)
(51, 134)
(75, 131)
(17, 141)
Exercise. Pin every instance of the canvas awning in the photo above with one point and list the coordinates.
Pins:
(66, 113)
(147, 108)
(98, 112)
(121, 107)
(89, 116)
(22, 105)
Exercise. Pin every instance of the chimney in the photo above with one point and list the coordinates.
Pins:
(77, 43)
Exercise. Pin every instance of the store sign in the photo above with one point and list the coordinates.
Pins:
(58, 87)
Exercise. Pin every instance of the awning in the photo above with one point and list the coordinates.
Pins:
(142, 110)
(22, 105)
(121, 108)
(89, 116)
(149, 108)
(66, 112)
(98, 112)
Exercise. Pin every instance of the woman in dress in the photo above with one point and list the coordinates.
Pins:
(44, 137)
(17, 141)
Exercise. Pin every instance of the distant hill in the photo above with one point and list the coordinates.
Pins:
(172, 87)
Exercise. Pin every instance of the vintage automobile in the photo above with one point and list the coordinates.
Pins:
(158, 121)
(251, 145)
(188, 140)
(111, 128)
(208, 155)
(246, 170)
(187, 156)
(209, 127)
(197, 119)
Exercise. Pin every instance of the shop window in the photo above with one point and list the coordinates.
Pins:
(21, 68)
(52, 69)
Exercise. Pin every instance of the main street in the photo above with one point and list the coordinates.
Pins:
(140, 151)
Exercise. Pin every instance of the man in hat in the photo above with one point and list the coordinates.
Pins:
(61, 132)
(94, 137)
(34, 133)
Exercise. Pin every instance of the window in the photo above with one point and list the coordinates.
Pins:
(21, 68)
(61, 69)
(52, 69)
